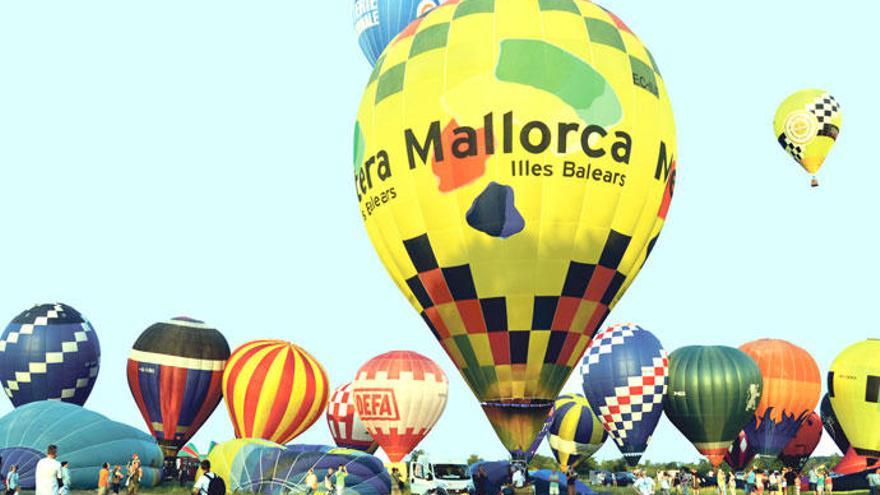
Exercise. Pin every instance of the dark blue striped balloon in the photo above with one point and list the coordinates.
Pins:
(624, 371)
(49, 352)
(377, 22)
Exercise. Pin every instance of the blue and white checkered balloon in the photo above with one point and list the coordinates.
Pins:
(49, 352)
(624, 371)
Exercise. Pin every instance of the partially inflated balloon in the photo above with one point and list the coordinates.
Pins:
(175, 370)
(49, 352)
(854, 389)
(739, 454)
(791, 391)
(855, 463)
(376, 22)
(575, 432)
(399, 396)
(713, 392)
(806, 125)
(346, 428)
(189, 451)
(798, 451)
(832, 425)
(625, 371)
(84, 438)
(514, 163)
(274, 390)
(266, 468)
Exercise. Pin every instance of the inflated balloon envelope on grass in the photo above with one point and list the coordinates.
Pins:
(251, 465)
(84, 438)
(513, 271)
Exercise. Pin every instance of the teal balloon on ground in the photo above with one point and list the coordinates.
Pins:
(84, 438)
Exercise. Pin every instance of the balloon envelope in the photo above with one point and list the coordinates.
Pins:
(625, 375)
(832, 425)
(512, 206)
(791, 391)
(712, 393)
(175, 370)
(739, 455)
(575, 432)
(376, 22)
(346, 428)
(49, 352)
(274, 390)
(259, 466)
(806, 125)
(399, 396)
(854, 390)
(84, 438)
(798, 451)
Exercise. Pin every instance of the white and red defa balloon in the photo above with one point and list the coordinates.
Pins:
(346, 427)
(399, 396)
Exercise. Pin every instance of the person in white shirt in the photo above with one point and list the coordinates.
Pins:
(204, 481)
(518, 479)
(644, 485)
(47, 473)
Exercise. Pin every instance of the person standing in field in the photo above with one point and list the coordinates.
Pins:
(103, 479)
(312, 482)
(65, 479)
(116, 479)
(721, 481)
(341, 474)
(731, 483)
(12, 486)
(570, 481)
(135, 473)
(553, 482)
(47, 473)
(874, 482)
(328, 482)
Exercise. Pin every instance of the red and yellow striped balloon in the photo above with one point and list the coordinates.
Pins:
(274, 390)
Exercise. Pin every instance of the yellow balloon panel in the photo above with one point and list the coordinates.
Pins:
(854, 390)
(806, 125)
(514, 164)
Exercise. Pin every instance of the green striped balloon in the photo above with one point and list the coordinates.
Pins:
(712, 393)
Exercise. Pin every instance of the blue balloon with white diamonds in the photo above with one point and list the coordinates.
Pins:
(377, 22)
(625, 370)
(49, 352)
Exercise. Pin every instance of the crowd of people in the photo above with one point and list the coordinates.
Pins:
(52, 477)
(754, 482)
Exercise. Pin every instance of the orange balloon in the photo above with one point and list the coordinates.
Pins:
(792, 385)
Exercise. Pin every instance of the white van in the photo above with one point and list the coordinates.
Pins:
(426, 475)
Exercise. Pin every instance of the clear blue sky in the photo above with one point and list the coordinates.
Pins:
(165, 158)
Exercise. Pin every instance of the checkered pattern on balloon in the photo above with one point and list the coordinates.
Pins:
(625, 376)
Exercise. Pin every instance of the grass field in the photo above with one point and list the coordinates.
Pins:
(174, 489)
(626, 490)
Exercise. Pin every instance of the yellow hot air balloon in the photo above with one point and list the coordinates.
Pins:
(514, 164)
(806, 125)
(854, 390)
